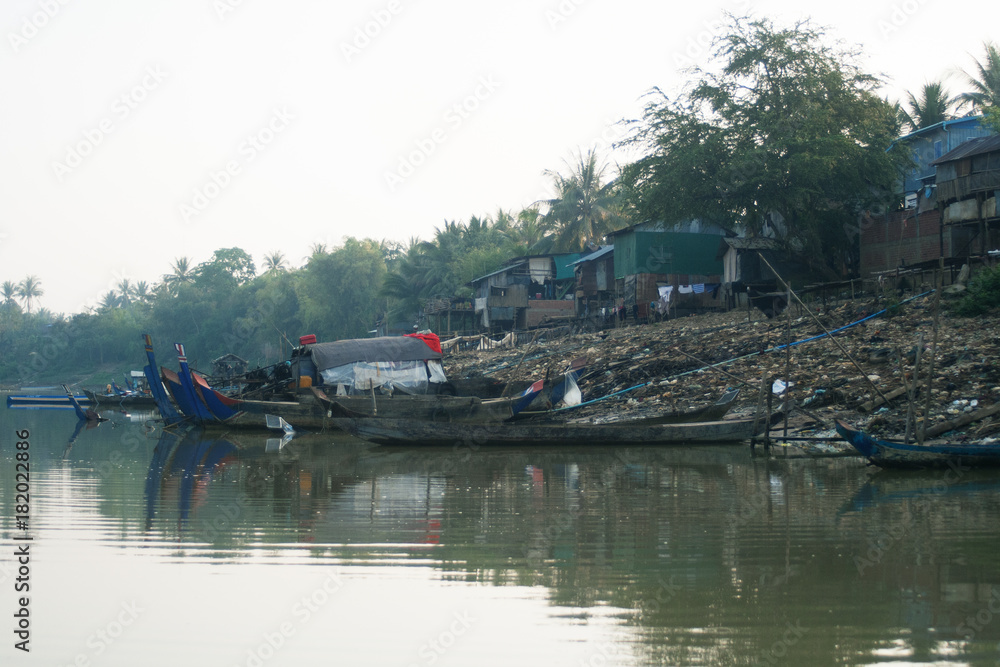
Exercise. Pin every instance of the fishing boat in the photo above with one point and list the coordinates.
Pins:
(428, 407)
(705, 413)
(889, 454)
(405, 432)
(45, 400)
(391, 389)
(127, 399)
(83, 414)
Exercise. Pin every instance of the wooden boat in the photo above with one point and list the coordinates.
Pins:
(427, 407)
(706, 413)
(128, 399)
(45, 400)
(888, 454)
(403, 432)
(83, 414)
(310, 409)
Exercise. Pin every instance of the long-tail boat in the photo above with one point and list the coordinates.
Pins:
(407, 432)
(889, 454)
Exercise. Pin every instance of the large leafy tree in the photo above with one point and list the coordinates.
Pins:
(930, 107)
(782, 126)
(337, 290)
(228, 266)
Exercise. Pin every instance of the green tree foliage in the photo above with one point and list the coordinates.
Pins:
(991, 118)
(8, 292)
(587, 206)
(782, 124)
(459, 253)
(984, 82)
(337, 290)
(982, 296)
(933, 106)
(28, 290)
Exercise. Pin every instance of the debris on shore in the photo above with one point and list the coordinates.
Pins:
(664, 366)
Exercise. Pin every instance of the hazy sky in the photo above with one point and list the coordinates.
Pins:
(134, 133)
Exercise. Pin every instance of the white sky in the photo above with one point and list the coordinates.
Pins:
(115, 113)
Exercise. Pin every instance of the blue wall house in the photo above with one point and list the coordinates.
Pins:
(914, 234)
(929, 144)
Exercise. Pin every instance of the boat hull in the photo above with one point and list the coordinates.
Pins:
(401, 432)
(887, 454)
(427, 407)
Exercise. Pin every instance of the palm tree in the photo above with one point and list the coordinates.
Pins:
(8, 291)
(985, 83)
(110, 301)
(274, 263)
(28, 289)
(125, 292)
(183, 272)
(529, 234)
(142, 292)
(585, 208)
(932, 107)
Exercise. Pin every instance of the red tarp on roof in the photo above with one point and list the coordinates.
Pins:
(432, 340)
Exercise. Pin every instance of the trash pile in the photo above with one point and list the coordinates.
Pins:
(851, 374)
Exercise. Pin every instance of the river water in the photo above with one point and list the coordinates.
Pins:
(159, 549)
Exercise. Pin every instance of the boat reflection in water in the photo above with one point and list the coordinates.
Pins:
(694, 555)
(182, 467)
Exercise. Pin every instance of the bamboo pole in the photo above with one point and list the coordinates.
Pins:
(922, 433)
(958, 422)
(527, 349)
(825, 330)
(788, 355)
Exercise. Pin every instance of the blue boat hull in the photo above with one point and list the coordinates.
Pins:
(898, 455)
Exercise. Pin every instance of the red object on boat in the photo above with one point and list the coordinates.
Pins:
(307, 340)
(430, 339)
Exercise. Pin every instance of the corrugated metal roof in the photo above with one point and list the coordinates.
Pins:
(498, 271)
(601, 252)
(945, 124)
(971, 147)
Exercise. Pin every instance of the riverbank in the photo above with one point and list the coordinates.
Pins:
(656, 366)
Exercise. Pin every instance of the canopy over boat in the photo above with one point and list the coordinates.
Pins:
(406, 363)
(389, 348)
